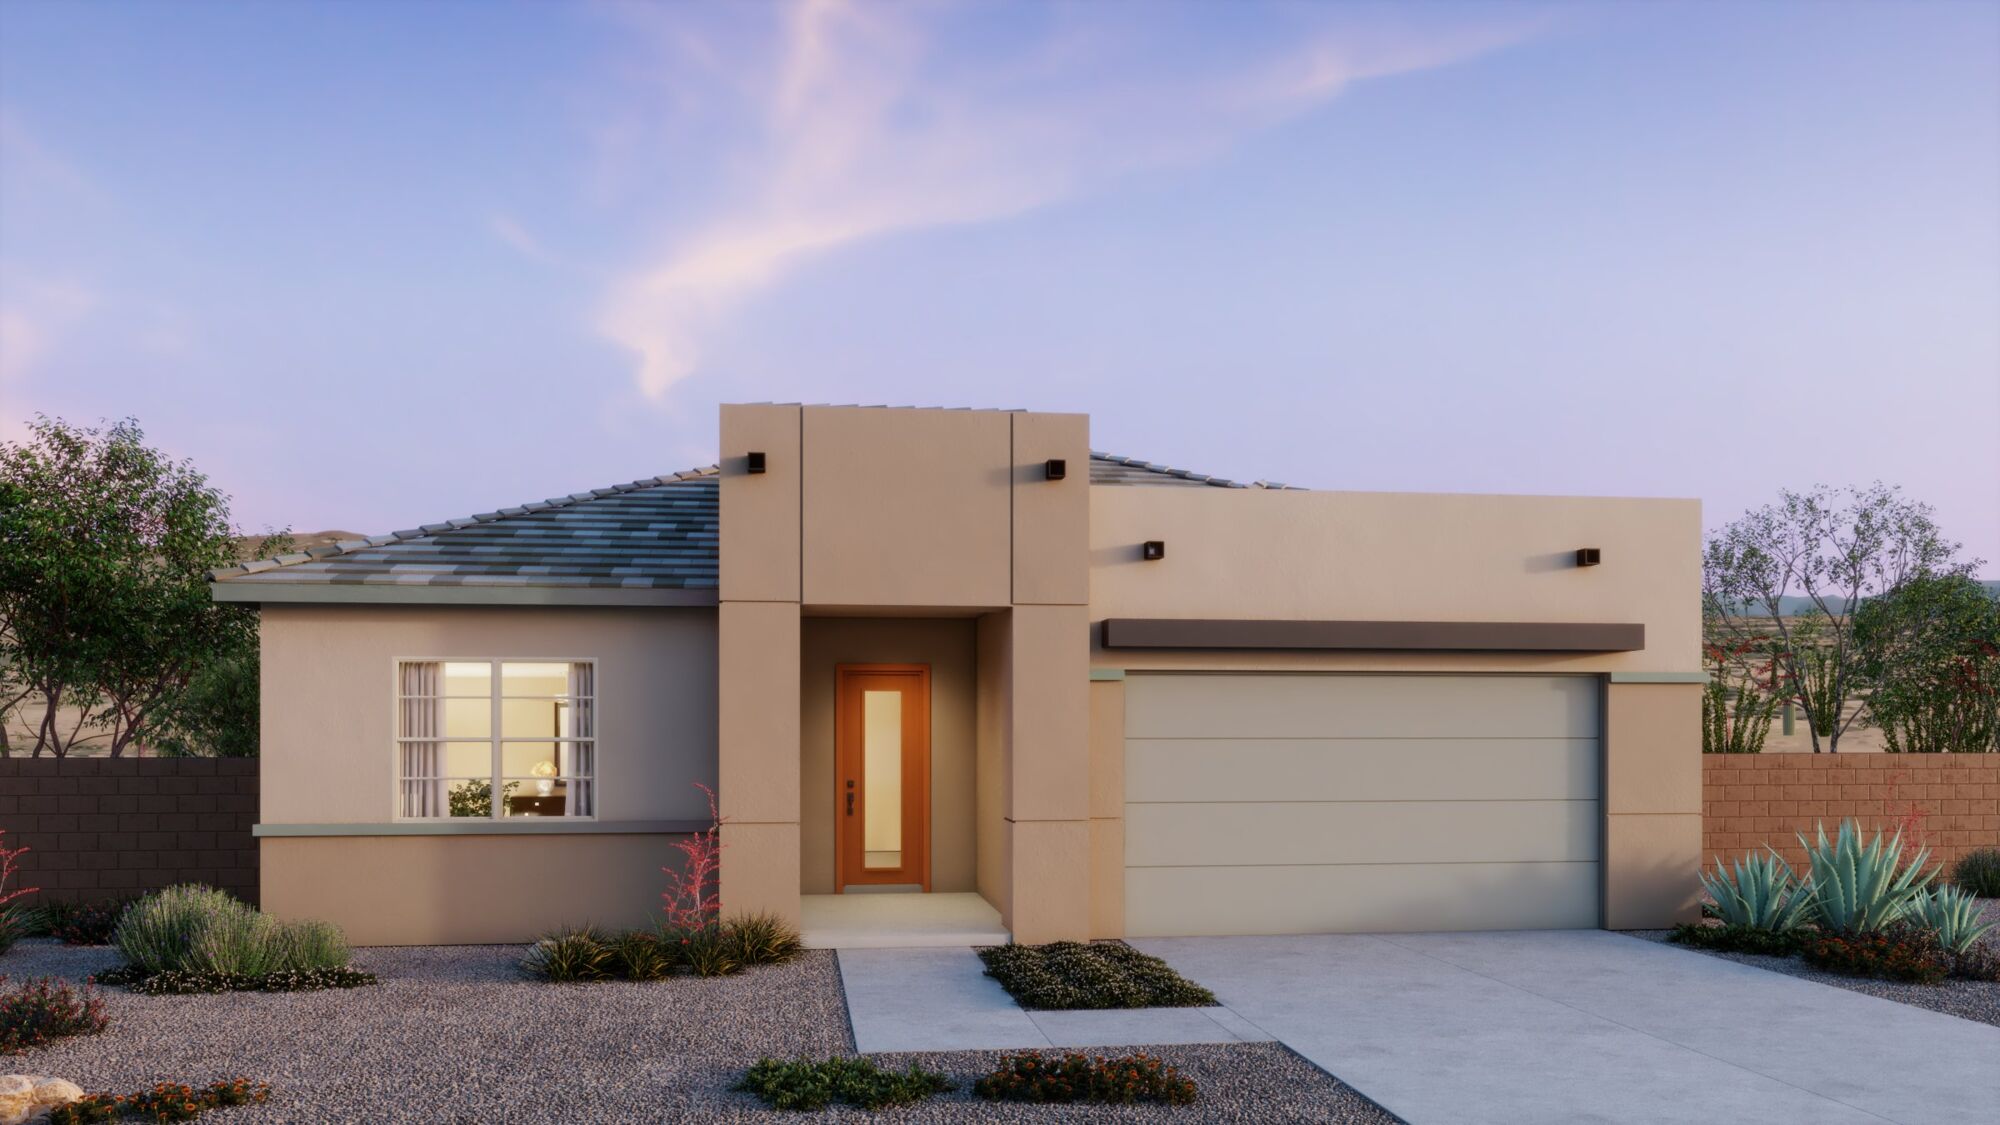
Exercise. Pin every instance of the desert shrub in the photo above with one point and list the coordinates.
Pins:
(803, 1085)
(1951, 914)
(1862, 887)
(763, 939)
(198, 939)
(1071, 975)
(569, 956)
(1978, 871)
(1127, 1080)
(46, 1009)
(1735, 938)
(167, 1101)
(637, 955)
(1759, 892)
(84, 923)
(1900, 953)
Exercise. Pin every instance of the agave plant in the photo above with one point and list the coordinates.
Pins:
(1862, 887)
(1950, 913)
(1760, 893)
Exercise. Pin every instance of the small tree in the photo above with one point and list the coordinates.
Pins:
(1835, 548)
(1736, 706)
(105, 545)
(1930, 650)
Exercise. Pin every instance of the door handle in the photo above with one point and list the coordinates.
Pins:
(850, 804)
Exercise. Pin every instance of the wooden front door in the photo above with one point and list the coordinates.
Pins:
(882, 775)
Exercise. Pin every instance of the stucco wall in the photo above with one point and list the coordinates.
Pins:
(329, 700)
(1355, 556)
(946, 644)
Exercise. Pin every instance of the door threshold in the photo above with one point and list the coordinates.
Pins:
(883, 889)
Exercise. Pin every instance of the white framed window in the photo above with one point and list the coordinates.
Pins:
(496, 739)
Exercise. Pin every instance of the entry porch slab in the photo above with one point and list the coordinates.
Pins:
(898, 921)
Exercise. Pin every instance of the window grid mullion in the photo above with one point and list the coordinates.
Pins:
(493, 742)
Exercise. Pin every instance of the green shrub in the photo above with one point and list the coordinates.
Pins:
(1127, 1080)
(195, 933)
(1950, 913)
(1900, 953)
(84, 923)
(1734, 938)
(763, 939)
(1978, 871)
(1860, 888)
(569, 956)
(1071, 975)
(46, 1009)
(1760, 893)
(802, 1085)
(1978, 961)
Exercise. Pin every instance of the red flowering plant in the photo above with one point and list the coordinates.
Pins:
(692, 900)
(9, 864)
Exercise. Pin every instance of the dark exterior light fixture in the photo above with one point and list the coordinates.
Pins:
(756, 463)
(1056, 468)
(1154, 550)
(1588, 556)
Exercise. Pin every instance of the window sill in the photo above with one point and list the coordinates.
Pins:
(550, 826)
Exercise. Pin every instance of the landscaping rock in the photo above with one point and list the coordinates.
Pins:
(30, 1097)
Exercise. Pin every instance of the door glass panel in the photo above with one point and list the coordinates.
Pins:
(882, 779)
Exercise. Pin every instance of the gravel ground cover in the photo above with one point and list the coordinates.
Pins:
(1967, 999)
(457, 1034)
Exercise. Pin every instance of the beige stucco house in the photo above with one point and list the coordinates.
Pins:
(956, 652)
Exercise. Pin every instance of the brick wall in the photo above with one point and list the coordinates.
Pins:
(114, 827)
(1750, 800)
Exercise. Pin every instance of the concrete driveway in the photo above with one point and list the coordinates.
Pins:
(1567, 1026)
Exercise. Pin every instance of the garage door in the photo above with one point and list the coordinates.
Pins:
(1275, 804)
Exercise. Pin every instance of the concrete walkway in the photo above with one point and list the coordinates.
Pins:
(898, 921)
(1586, 1026)
(942, 1000)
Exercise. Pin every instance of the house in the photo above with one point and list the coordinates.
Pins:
(956, 652)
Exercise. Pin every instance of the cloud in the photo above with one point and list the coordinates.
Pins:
(854, 122)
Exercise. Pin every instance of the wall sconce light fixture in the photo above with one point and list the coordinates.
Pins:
(1154, 550)
(755, 462)
(1588, 556)
(1056, 468)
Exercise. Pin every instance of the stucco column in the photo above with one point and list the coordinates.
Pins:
(757, 728)
(1048, 817)
(1652, 803)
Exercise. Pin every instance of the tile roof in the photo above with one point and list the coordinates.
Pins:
(650, 534)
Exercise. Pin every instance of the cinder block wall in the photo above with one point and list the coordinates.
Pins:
(1951, 801)
(102, 828)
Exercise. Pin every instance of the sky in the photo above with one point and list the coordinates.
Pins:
(372, 265)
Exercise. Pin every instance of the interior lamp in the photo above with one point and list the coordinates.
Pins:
(546, 771)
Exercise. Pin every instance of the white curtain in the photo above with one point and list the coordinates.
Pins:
(422, 718)
(578, 761)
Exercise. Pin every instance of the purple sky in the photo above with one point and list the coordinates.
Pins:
(372, 265)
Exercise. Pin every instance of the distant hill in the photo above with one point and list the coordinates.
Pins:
(1792, 606)
(248, 546)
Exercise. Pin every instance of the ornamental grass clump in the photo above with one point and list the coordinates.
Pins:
(1126, 1080)
(1858, 887)
(192, 938)
(1759, 892)
(1978, 872)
